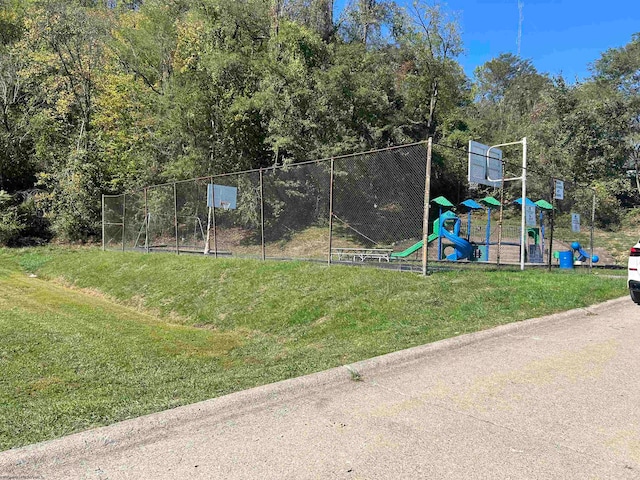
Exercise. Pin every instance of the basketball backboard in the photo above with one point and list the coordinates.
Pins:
(222, 196)
(482, 168)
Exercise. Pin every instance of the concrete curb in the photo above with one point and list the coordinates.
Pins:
(145, 429)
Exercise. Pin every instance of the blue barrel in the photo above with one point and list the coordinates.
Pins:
(566, 259)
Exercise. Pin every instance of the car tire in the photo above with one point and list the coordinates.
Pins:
(635, 296)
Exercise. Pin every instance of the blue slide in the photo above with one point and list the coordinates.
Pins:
(462, 248)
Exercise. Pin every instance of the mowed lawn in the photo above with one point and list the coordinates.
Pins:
(99, 337)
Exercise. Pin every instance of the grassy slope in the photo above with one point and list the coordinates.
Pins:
(190, 328)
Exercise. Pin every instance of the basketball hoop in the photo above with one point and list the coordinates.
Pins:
(225, 205)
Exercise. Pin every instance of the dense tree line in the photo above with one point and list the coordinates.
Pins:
(100, 97)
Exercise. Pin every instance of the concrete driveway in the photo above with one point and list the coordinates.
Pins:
(555, 397)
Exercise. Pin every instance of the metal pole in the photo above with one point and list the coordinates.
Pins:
(124, 213)
(425, 215)
(523, 233)
(553, 218)
(500, 218)
(207, 242)
(330, 212)
(524, 196)
(146, 223)
(213, 219)
(593, 222)
(175, 216)
(263, 253)
(103, 246)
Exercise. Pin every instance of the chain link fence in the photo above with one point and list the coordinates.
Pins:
(366, 209)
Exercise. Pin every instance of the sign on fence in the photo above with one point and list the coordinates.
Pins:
(575, 222)
(530, 214)
(559, 190)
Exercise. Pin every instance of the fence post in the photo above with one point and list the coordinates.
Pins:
(175, 216)
(207, 241)
(425, 208)
(331, 171)
(124, 214)
(553, 217)
(263, 248)
(213, 219)
(103, 248)
(146, 222)
(593, 222)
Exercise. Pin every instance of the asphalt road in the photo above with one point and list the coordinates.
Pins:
(555, 397)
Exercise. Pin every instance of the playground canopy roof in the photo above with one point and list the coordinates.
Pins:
(490, 202)
(543, 204)
(442, 201)
(472, 204)
(527, 201)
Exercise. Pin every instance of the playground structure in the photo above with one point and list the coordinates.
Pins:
(576, 256)
(448, 234)
(581, 255)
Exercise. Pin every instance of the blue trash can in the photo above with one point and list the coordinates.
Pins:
(566, 259)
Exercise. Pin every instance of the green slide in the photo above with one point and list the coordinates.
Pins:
(417, 246)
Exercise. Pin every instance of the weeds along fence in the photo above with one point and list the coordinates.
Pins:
(365, 208)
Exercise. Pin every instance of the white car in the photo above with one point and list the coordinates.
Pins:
(634, 273)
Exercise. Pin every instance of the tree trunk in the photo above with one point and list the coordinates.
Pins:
(276, 6)
(432, 109)
(324, 19)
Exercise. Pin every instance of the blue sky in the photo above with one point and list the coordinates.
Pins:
(558, 36)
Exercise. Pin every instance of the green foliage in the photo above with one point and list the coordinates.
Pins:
(10, 223)
(97, 100)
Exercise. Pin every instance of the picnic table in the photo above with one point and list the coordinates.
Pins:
(361, 254)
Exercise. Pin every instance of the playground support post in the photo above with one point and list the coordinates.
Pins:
(330, 212)
(425, 215)
(523, 233)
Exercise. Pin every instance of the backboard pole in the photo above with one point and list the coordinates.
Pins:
(523, 232)
(425, 215)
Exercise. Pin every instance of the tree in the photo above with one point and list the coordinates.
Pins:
(619, 69)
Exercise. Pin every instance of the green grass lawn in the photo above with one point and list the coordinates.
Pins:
(100, 337)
